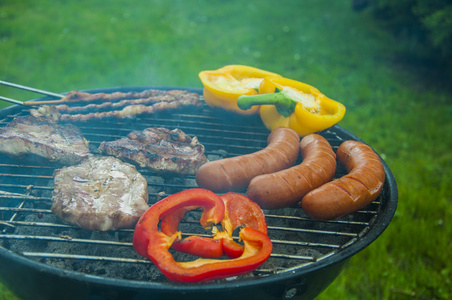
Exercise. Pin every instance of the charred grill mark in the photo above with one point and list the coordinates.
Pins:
(151, 155)
(174, 136)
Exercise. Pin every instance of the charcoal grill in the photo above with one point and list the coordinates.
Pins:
(45, 258)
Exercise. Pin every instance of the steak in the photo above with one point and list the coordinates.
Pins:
(160, 149)
(100, 193)
(31, 137)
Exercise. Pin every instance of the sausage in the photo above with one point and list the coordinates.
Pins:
(287, 187)
(357, 189)
(235, 173)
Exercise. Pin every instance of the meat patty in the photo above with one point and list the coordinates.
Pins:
(160, 149)
(100, 193)
(31, 137)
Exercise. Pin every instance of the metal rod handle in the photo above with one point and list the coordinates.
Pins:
(26, 88)
(11, 100)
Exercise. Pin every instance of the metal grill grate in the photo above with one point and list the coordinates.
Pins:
(28, 227)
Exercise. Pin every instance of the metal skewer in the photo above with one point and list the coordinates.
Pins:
(26, 88)
(11, 100)
(29, 103)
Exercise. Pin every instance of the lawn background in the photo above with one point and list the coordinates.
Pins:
(397, 104)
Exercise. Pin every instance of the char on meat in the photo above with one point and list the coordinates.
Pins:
(101, 193)
(31, 137)
(160, 149)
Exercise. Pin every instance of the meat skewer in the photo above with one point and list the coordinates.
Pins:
(77, 96)
(131, 103)
(122, 103)
(53, 113)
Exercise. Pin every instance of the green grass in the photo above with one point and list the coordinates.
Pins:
(397, 105)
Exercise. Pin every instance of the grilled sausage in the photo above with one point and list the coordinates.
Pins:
(235, 173)
(357, 189)
(287, 187)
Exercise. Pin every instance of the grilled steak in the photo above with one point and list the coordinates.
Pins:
(100, 193)
(30, 137)
(160, 149)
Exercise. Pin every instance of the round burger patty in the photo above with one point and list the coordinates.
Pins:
(101, 193)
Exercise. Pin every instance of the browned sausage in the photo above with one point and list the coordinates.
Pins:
(235, 173)
(357, 189)
(287, 187)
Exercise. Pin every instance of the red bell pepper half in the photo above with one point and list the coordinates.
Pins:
(153, 243)
(240, 211)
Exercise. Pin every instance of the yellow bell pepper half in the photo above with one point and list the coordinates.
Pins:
(289, 103)
(222, 87)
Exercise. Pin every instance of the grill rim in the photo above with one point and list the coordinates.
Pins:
(381, 222)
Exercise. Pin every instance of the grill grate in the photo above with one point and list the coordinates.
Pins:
(28, 227)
